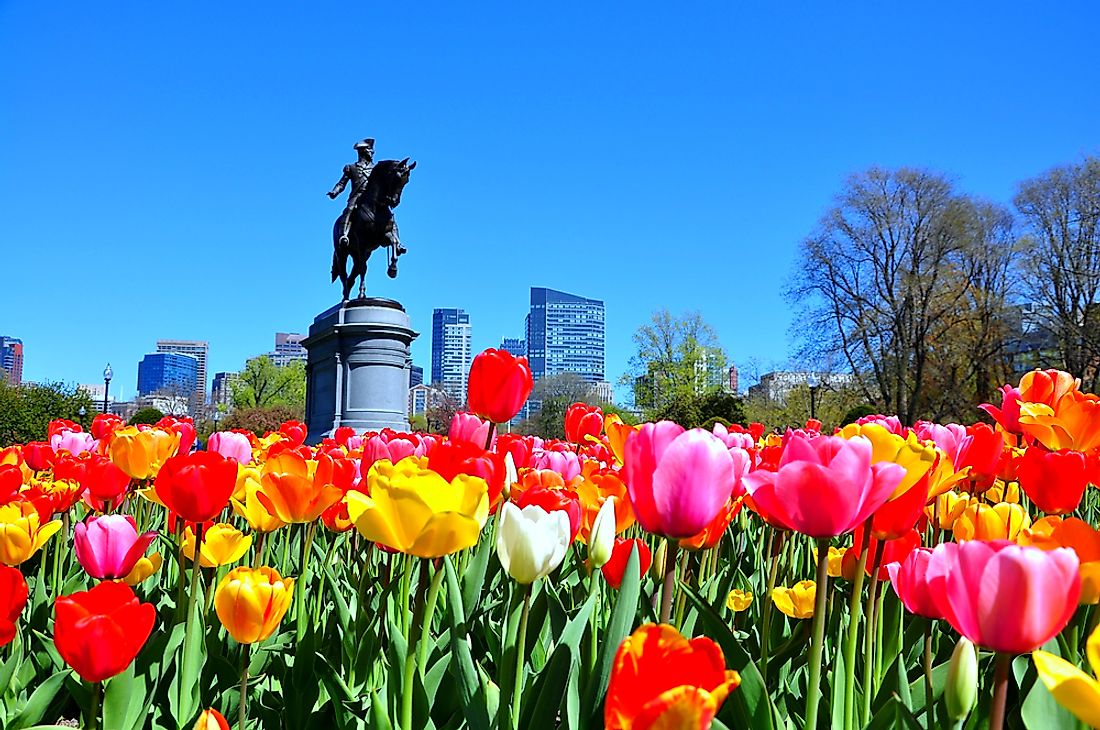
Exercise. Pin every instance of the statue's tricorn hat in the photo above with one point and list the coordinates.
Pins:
(367, 144)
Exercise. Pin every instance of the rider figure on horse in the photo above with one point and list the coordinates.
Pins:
(358, 173)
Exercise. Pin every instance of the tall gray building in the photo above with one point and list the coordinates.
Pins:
(451, 351)
(565, 334)
(198, 350)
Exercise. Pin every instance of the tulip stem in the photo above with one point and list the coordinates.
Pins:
(242, 716)
(410, 652)
(300, 596)
(765, 631)
(1000, 691)
(196, 582)
(97, 696)
(429, 613)
(869, 676)
(521, 648)
(854, 610)
(594, 622)
(670, 580)
(928, 697)
(813, 690)
(489, 436)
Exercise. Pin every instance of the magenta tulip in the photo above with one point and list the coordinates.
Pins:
(75, 442)
(231, 445)
(469, 428)
(109, 546)
(677, 480)
(1003, 596)
(825, 485)
(910, 581)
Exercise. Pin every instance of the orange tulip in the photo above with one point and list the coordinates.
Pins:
(617, 433)
(1001, 521)
(662, 680)
(296, 490)
(141, 453)
(1053, 532)
(593, 487)
(712, 534)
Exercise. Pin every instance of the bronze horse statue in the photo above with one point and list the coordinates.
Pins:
(372, 226)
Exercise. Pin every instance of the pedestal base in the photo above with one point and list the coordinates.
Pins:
(357, 371)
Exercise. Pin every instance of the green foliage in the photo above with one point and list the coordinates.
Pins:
(704, 410)
(26, 410)
(148, 415)
(857, 412)
(832, 407)
(263, 384)
(418, 422)
(554, 394)
(261, 420)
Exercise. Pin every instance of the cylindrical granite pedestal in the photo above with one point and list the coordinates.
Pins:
(357, 372)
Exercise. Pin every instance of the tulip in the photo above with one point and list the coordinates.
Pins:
(554, 500)
(498, 385)
(796, 601)
(614, 570)
(452, 458)
(222, 544)
(1082, 538)
(142, 453)
(531, 542)
(909, 578)
(99, 632)
(565, 463)
(39, 455)
(22, 532)
(617, 434)
(231, 445)
(1073, 422)
(972, 582)
(109, 547)
(594, 488)
(825, 485)
(583, 421)
(13, 598)
(835, 559)
(738, 600)
(1055, 481)
(105, 424)
(253, 511)
(467, 428)
(946, 508)
(660, 679)
(296, 490)
(250, 602)
(103, 480)
(196, 486)
(416, 511)
(295, 432)
(1001, 521)
(602, 537)
(11, 482)
(143, 569)
(1008, 415)
(908, 452)
(961, 690)
(678, 480)
(1073, 689)
(74, 442)
(211, 719)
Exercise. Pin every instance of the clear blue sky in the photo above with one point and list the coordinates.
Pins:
(163, 165)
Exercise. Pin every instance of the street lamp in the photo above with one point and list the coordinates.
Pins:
(82, 412)
(217, 417)
(107, 375)
(813, 383)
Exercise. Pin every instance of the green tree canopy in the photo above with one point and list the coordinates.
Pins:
(26, 410)
(147, 415)
(263, 384)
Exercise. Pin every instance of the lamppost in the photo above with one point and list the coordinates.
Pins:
(217, 418)
(107, 375)
(82, 412)
(813, 383)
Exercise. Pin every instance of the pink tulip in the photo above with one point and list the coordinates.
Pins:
(109, 546)
(566, 463)
(231, 445)
(825, 485)
(469, 428)
(1008, 415)
(910, 581)
(1003, 596)
(75, 442)
(677, 480)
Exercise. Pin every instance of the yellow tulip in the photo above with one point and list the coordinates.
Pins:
(1003, 492)
(144, 568)
(836, 560)
(250, 602)
(142, 453)
(416, 511)
(21, 532)
(915, 456)
(797, 601)
(1073, 689)
(1001, 521)
(946, 508)
(738, 600)
(252, 509)
(222, 544)
(617, 434)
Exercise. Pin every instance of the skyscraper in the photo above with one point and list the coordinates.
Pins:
(168, 373)
(565, 334)
(515, 345)
(288, 348)
(456, 358)
(11, 358)
(441, 318)
(199, 351)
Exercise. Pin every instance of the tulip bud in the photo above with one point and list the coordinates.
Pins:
(961, 690)
(657, 567)
(601, 540)
(531, 543)
(511, 475)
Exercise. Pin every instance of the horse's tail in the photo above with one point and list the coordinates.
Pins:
(337, 229)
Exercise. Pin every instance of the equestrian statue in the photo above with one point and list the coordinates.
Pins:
(367, 221)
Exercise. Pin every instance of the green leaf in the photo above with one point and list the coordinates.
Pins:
(462, 664)
(1040, 711)
(473, 579)
(620, 626)
(551, 688)
(124, 701)
(39, 701)
(184, 692)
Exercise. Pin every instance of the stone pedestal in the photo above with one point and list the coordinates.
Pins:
(357, 372)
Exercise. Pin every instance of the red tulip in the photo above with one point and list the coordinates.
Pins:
(614, 570)
(99, 632)
(39, 455)
(60, 425)
(185, 427)
(451, 458)
(898, 517)
(825, 485)
(894, 550)
(13, 598)
(678, 480)
(11, 482)
(1003, 596)
(910, 581)
(498, 385)
(197, 486)
(295, 431)
(583, 420)
(1054, 480)
(565, 500)
(103, 479)
(105, 424)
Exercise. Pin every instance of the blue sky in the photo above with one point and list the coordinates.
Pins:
(163, 166)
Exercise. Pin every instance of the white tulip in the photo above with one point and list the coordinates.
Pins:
(601, 540)
(531, 542)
